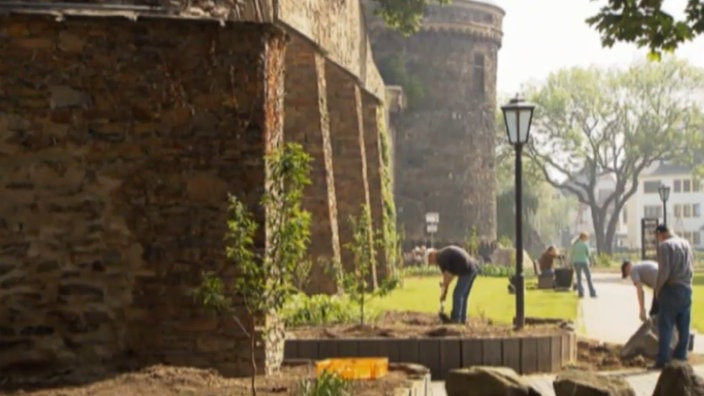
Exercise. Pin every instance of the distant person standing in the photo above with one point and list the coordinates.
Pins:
(642, 273)
(455, 262)
(673, 290)
(580, 257)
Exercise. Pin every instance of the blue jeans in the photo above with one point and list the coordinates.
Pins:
(675, 307)
(460, 297)
(584, 267)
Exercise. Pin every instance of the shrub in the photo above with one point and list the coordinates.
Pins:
(321, 309)
(327, 384)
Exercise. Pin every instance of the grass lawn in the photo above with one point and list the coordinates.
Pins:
(698, 302)
(489, 298)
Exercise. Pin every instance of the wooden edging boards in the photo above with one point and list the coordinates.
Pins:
(526, 355)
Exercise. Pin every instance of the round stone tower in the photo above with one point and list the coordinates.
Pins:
(444, 145)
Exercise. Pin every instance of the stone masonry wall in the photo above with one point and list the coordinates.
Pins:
(444, 143)
(307, 122)
(119, 142)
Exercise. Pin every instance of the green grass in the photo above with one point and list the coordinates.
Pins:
(489, 298)
(698, 302)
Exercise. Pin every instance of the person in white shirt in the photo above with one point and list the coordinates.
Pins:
(642, 273)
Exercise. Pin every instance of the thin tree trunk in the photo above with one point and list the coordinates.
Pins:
(252, 356)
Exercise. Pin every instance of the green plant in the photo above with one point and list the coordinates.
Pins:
(472, 241)
(496, 270)
(603, 260)
(322, 309)
(354, 283)
(505, 242)
(264, 280)
(422, 270)
(327, 384)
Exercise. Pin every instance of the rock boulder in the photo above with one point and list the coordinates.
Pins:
(487, 381)
(586, 383)
(678, 378)
(644, 342)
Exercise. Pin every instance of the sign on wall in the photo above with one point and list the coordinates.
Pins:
(648, 242)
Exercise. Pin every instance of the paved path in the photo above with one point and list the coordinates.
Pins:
(611, 317)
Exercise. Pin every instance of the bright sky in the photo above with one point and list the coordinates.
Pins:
(541, 36)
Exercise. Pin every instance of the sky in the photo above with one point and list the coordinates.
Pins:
(542, 36)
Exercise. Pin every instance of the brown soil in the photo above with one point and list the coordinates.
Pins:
(415, 325)
(599, 356)
(166, 380)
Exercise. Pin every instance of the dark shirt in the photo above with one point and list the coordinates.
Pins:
(456, 261)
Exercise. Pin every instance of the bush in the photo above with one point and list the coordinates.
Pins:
(603, 260)
(321, 309)
(496, 271)
(422, 270)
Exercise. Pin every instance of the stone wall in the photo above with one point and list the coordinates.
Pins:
(444, 143)
(119, 143)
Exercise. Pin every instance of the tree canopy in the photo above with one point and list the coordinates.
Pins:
(590, 123)
(404, 15)
(645, 23)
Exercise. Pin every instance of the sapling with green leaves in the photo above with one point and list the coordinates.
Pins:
(264, 278)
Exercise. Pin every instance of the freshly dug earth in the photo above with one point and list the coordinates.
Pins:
(414, 325)
(600, 356)
(165, 380)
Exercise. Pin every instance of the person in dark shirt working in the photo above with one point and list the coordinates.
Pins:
(455, 262)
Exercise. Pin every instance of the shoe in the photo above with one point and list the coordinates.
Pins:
(593, 295)
(656, 367)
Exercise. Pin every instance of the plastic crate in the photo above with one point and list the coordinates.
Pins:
(354, 368)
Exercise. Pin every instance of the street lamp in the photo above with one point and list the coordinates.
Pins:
(432, 219)
(517, 117)
(664, 192)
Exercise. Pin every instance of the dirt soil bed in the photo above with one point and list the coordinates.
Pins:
(599, 356)
(181, 381)
(417, 325)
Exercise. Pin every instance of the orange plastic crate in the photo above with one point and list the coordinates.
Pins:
(354, 368)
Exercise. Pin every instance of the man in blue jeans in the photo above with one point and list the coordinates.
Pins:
(673, 290)
(455, 261)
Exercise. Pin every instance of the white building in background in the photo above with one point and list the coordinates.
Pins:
(684, 206)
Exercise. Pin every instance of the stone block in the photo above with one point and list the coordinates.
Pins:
(585, 383)
(487, 381)
(678, 378)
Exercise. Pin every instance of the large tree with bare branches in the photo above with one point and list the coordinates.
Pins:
(593, 122)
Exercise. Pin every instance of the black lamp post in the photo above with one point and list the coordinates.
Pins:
(517, 116)
(664, 192)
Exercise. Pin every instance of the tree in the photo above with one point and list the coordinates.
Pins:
(647, 24)
(264, 280)
(404, 15)
(593, 122)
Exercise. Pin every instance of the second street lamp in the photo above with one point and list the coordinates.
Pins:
(664, 192)
(518, 115)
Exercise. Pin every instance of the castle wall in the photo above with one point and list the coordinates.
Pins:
(120, 141)
(444, 143)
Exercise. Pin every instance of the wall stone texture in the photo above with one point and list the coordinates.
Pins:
(444, 142)
(119, 143)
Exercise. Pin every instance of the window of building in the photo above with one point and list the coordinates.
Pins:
(696, 238)
(687, 210)
(686, 185)
(678, 210)
(478, 73)
(651, 187)
(696, 210)
(696, 185)
(678, 185)
(652, 211)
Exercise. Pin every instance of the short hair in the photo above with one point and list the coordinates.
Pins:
(623, 268)
(662, 229)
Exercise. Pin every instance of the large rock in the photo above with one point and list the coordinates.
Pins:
(644, 342)
(487, 381)
(678, 378)
(586, 383)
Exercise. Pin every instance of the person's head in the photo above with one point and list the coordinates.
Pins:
(583, 236)
(551, 251)
(431, 256)
(662, 232)
(626, 267)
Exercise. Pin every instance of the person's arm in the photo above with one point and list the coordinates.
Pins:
(445, 284)
(641, 300)
(664, 268)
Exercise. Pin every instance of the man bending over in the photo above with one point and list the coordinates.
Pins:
(455, 261)
(642, 273)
